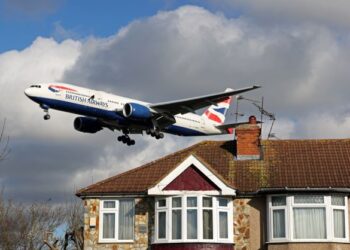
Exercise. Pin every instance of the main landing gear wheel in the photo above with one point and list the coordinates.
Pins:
(126, 140)
(155, 133)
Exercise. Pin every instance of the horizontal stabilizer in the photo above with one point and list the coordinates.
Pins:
(232, 125)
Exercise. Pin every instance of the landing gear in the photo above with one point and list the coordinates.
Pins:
(46, 111)
(47, 115)
(126, 140)
(155, 133)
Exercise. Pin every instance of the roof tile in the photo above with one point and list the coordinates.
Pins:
(285, 163)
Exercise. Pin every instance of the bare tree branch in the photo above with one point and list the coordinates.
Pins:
(23, 226)
(4, 142)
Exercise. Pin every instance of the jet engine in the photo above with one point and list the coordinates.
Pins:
(136, 111)
(87, 125)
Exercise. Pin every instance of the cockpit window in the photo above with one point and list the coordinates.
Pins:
(35, 86)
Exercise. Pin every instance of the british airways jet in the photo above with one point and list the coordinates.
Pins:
(100, 110)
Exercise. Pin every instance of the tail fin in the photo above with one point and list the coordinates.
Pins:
(216, 113)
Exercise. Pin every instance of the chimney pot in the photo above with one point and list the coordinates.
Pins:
(252, 119)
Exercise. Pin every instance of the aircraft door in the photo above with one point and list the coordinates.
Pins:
(94, 101)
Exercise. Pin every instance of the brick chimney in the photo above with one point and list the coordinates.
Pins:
(248, 140)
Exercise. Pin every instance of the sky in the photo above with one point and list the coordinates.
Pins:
(299, 51)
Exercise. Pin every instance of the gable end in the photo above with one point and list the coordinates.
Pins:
(192, 180)
(194, 176)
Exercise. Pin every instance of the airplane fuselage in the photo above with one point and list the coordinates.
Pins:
(108, 108)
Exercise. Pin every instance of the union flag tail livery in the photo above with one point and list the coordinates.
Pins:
(98, 110)
(216, 113)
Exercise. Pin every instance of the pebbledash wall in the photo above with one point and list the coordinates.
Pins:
(247, 216)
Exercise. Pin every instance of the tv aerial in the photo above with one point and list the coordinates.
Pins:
(263, 113)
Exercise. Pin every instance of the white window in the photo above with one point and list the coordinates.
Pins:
(176, 218)
(278, 216)
(161, 218)
(194, 218)
(117, 220)
(223, 218)
(308, 218)
(207, 218)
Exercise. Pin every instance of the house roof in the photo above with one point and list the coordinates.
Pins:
(285, 164)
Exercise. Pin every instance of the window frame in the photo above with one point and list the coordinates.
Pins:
(115, 211)
(192, 208)
(270, 221)
(184, 208)
(162, 209)
(289, 217)
(223, 209)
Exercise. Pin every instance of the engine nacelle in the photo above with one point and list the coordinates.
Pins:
(136, 111)
(87, 125)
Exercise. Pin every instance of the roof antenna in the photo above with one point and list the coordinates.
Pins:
(268, 114)
(237, 114)
(263, 112)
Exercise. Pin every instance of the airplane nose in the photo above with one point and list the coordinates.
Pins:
(27, 92)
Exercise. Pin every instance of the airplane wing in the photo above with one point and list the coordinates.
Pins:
(191, 104)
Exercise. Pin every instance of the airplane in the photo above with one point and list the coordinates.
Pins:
(100, 110)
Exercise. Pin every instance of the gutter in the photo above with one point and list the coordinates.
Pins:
(262, 191)
(239, 194)
(109, 195)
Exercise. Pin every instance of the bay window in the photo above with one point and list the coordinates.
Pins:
(308, 218)
(194, 218)
(116, 220)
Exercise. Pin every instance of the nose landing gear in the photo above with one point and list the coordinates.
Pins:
(47, 115)
(46, 111)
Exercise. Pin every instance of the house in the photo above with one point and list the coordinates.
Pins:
(239, 194)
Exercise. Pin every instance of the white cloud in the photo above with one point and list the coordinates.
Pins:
(326, 125)
(114, 159)
(44, 61)
(281, 129)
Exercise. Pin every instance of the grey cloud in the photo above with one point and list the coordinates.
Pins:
(41, 169)
(334, 14)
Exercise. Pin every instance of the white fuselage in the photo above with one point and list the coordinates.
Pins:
(109, 109)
